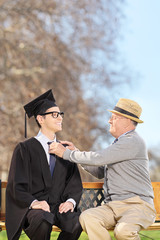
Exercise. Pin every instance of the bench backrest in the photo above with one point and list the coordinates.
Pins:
(156, 189)
(92, 196)
(2, 200)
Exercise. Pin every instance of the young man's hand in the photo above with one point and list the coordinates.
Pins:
(65, 207)
(40, 205)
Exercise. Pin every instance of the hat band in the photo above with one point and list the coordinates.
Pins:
(125, 112)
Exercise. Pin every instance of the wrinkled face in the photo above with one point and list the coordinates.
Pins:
(51, 122)
(118, 125)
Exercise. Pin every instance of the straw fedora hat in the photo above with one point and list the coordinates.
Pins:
(129, 109)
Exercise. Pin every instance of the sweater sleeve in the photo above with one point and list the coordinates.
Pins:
(125, 148)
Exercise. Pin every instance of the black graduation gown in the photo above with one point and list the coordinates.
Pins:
(30, 179)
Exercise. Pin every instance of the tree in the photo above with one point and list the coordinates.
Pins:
(68, 46)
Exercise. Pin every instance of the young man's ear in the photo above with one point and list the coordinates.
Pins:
(40, 119)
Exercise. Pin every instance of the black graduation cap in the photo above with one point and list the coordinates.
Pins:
(39, 106)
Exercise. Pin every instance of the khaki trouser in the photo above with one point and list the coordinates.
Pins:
(127, 217)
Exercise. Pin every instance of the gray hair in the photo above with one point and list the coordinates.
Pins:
(134, 123)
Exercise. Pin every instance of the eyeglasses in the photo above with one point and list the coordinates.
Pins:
(54, 114)
(116, 118)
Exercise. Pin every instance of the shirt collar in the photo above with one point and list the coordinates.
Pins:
(125, 133)
(42, 137)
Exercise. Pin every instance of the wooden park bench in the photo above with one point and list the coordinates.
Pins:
(92, 197)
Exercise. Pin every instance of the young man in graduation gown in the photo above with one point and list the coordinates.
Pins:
(42, 189)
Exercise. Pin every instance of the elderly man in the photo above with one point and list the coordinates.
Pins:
(128, 204)
(42, 189)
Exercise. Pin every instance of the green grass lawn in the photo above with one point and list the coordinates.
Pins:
(151, 235)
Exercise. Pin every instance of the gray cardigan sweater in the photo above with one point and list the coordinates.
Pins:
(123, 165)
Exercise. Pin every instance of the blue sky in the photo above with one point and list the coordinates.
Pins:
(140, 47)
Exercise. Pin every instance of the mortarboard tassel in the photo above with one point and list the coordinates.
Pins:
(25, 129)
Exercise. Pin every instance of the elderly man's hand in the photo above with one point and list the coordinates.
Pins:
(69, 145)
(57, 148)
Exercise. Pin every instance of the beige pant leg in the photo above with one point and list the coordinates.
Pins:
(131, 214)
(127, 231)
(96, 221)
